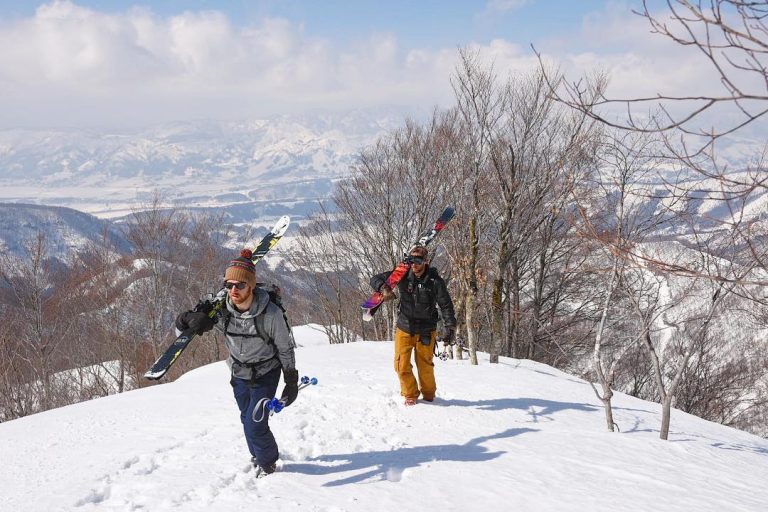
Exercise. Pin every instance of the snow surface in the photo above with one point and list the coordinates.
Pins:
(513, 436)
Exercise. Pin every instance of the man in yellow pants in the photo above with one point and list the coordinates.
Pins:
(422, 291)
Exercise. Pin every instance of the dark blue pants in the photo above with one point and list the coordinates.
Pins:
(261, 442)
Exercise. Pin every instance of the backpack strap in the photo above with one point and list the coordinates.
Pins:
(258, 323)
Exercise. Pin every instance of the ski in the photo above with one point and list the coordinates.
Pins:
(213, 304)
(376, 299)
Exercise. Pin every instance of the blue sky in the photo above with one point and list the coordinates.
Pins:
(84, 62)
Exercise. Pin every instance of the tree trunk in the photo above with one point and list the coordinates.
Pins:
(606, 378)
(472, 288)
(608, 409)
(457, 352)
(515, 313)
(498, 319)
(666, 413)
(497, 306)
(471, 334)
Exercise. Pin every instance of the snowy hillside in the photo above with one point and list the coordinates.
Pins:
(66, 230)
(513, 436)
(204, 163)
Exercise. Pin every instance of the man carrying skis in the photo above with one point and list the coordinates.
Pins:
(260, 346)
(420, 292)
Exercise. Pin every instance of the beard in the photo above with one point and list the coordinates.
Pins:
(242, 297)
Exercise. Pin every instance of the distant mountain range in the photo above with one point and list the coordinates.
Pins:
(73, 186)
(256, 167)
(251, 171)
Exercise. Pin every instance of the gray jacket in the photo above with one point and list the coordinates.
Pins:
(250, 355)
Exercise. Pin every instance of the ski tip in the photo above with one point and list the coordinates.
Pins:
(281, 225)
(153, 375)
(447, 215)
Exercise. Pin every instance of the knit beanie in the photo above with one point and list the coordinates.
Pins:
(242, 269)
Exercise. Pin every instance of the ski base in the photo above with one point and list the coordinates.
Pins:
(165, 361)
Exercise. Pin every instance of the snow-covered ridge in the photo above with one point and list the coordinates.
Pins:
(65, 231)
(513, 436)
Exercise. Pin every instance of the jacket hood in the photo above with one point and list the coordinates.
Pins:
(260, 301)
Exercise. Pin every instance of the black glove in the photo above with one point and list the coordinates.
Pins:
(198, 321)
(291, 389)
(448, 336)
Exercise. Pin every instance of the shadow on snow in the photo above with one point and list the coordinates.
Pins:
(390, 464)
(535, 406)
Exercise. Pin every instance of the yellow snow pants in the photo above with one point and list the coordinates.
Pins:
(405, 344)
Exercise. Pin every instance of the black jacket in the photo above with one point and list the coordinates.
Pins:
(418, 298)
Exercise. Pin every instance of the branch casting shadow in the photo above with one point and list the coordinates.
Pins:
(389, 465)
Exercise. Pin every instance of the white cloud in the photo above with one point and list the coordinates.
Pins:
(71, 65)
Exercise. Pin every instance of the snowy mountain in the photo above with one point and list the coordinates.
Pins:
(66, 231)
(514, 436)
(206, 163)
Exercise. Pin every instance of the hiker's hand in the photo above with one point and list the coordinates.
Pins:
(386, 292)
(448, 336)
(291, 389)
(197, 321)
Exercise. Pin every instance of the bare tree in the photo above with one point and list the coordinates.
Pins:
(478, 103)
(107, 351)
(402, 183)
(731, 36)
(43, 325)
(681, 323)
(722, 380)
(621, 220)
(325, 259)
(157, 234)
(208, 235)
(17, 397)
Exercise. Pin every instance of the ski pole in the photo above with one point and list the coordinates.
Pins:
(276, 405)
(306, 381)
(445, 355)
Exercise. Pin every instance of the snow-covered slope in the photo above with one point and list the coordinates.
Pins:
(513, 436)
(66, 231)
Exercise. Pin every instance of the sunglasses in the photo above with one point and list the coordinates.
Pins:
(237, 285)
(416, 260)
